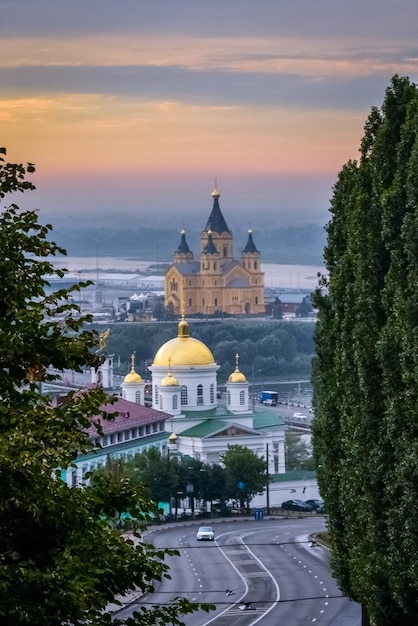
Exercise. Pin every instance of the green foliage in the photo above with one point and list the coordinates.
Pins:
(61, 558)
(281, 350)
(365, 431)
(243, 467)
(298, 452)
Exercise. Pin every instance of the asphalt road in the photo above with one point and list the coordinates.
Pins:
(271, 564)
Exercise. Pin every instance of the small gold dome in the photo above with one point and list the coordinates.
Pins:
(237, 376)
(169, 381)
(132, 377)
(172, 439)
(183, 350)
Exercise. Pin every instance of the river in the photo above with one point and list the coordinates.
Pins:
(277, 276)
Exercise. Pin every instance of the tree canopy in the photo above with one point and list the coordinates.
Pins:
(61, 559)
(365, 432)
(246, 474)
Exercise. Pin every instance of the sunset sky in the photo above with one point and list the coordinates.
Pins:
(136, 106)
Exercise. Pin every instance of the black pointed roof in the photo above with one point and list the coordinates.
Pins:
(183, 247)
(216, 222)
(250, 247)
(210, 247)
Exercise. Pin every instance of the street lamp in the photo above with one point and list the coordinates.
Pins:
(252, 384)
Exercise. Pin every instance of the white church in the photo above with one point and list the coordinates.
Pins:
(185, 418)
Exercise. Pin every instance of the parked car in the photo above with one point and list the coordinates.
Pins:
(315, 504)
(296, 505)
(205, 533)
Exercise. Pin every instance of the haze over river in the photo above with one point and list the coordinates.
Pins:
(277, 276)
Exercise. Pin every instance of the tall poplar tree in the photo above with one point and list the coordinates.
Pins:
(365, 372)
(62, 561)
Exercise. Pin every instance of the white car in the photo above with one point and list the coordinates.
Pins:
(299, 416)
(205, 532)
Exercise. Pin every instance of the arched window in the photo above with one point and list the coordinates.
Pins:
(200, 394)
(190, 302)
(175, 400)
(183, 395)
(255, 265)
(203, 301)
(212, 393)
(242, 398)
(225, 251)
(156, 394)
(138, 397)
(216, 302)
(214, 266)
(256, 299)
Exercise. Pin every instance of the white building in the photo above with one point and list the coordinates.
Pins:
(185, 417)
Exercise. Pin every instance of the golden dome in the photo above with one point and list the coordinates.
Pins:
(237, 376)
(172, 439)
(169, 381)
(132, 377)
(183, 350)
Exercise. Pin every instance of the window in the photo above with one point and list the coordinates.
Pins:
(138, 397)
(225, 251)
(175, 401)
(183, 395)
(120, 436)
(148, 429)
(242, 398)
(216, 302)
(212, 394)
(229, 397)
(214, 266)
(255, 265)
(256, 299)
(200, 394)
(203, 301)
(215, 282)
(190, 302)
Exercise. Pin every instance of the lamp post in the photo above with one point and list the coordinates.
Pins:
(252, 383)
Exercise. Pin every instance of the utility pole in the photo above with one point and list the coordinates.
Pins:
(268, 481)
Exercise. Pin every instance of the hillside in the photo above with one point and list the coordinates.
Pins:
(302, 244)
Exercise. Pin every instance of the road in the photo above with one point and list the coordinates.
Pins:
(269, 563)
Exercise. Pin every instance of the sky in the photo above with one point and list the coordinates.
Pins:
(136, 107)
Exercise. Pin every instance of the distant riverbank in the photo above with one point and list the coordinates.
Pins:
(276, 276)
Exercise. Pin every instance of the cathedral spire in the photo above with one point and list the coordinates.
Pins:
(216, 222)
(250, 246)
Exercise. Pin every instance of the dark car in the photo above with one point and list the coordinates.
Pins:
(296, 505)
(315, 504)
